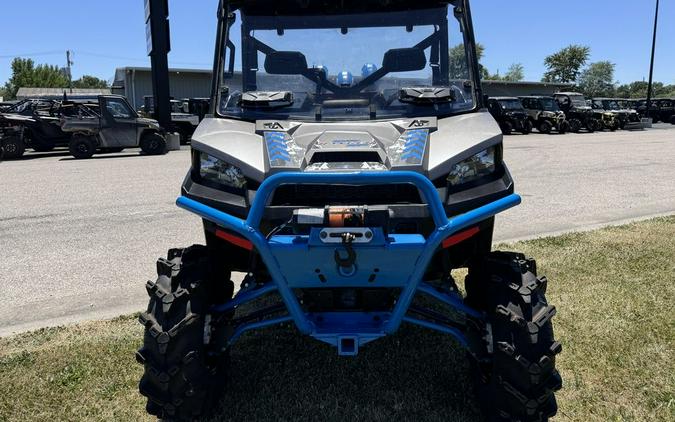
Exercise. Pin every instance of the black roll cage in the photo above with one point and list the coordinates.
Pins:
(438, 42)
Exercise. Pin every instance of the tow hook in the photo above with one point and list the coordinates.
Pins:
(346, 266)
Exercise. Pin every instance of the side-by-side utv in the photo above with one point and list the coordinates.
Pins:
(510, 114)
(40, 121)
(111, 125)
(578, 113)
(545, 114)
(623, 118)
(347, 183)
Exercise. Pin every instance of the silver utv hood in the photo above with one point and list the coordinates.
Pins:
(426, 145)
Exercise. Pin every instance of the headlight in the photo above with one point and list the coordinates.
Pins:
(217, 171)
(480, 165)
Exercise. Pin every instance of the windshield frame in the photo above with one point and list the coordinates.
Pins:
(461, 12)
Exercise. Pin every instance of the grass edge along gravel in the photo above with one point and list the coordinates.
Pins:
(613, 289)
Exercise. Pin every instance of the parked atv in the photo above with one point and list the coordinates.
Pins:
(111, 125)
(654, 110)
(624, 118)
(510, 114)
(182, 122)
(343, 199)
(545, 114)
(40, 120)
(666, 109)
(578, 113)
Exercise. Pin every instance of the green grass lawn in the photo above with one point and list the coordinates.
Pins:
(614, 290)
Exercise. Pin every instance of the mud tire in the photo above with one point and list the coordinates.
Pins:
(183, 355)
(513, 351)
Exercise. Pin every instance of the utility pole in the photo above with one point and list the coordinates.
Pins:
(69, 64)
(651, 66)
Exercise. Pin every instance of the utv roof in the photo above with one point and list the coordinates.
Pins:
(568, 93)
(534, 96)
(504, 98)
(324, 7)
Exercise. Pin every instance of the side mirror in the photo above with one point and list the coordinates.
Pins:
(404, 60)
(285, 63)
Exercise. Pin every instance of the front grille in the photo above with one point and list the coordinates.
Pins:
(322, 195)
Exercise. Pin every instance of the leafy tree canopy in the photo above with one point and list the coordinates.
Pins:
(565, 65)
(91, 82)
(25, 74)
(597, 80)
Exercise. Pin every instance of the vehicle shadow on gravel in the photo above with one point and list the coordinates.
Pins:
(416, 374)
(104, 157)
(38, 155)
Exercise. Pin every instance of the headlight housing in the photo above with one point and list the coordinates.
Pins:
(215, 171)
(480, 165)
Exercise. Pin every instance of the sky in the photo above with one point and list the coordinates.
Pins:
(104, 35)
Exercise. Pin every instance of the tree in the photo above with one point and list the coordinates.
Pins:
(597, 80)
(638, 89)
(564, 66)
(26, 75)
(515, 73)
(90, 82)
(459, 68)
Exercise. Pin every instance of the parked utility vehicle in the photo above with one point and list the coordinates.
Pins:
(510, 114)
(578, 113)
(41, 123)
(545, 114)
(111, 125)
(343, 199)
(183, 121)
(623, 118)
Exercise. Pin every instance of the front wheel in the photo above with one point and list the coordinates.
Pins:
(563, 128)
(513, 349)
(506, 127)
(545, 127)
(183, 352)
(82, 147)
(527, 128)
(575, 125)
(13, 146)
(153, 144)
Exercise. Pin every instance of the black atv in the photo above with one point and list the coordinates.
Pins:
(578, 113)
(510, 114)
(41, 120)
(545, 114)
(666, 109)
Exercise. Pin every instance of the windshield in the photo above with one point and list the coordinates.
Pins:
(549, 104)
(346, 67)
(578, 101)
(611, 105)
(511, 104)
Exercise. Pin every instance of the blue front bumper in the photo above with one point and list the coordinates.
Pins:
(397, 261)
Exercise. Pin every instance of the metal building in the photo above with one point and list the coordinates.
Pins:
(57, 93)
(518, 89)
(136, 82)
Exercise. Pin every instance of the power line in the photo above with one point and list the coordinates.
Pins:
(44, 53)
